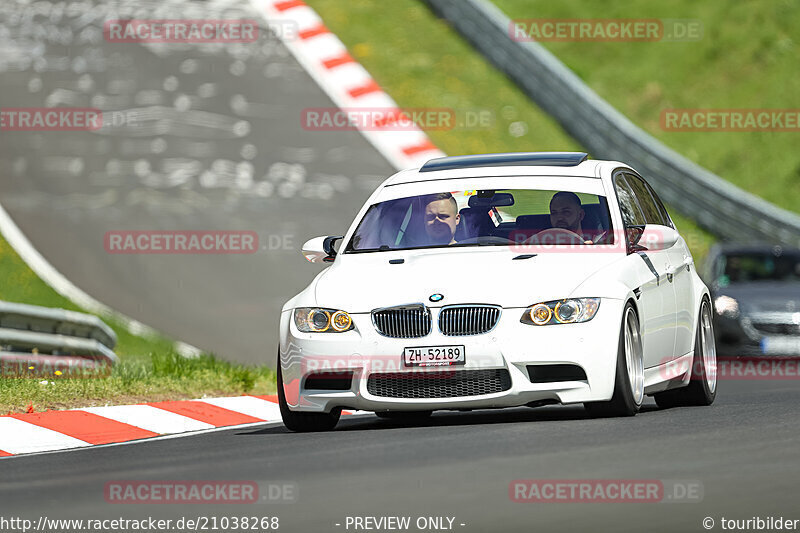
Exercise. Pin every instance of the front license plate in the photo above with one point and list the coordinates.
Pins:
(780, 345)
(434, 356)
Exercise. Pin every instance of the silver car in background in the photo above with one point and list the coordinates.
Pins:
(756, 294)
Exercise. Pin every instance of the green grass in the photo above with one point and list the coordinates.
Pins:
(149, 368)
(423, 63)
(747, 58)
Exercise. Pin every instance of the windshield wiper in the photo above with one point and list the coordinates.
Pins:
(386, 248)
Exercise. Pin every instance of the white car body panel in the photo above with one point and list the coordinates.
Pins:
(662, 285)
(465, 275)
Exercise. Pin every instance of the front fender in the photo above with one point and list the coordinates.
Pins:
(617, 280)
(307, 297)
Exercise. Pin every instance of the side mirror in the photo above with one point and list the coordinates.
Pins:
(651, 237)
(320, 249)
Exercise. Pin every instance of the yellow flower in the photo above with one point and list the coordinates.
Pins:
(362, 50)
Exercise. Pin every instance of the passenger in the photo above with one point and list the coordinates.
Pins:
(441, 218)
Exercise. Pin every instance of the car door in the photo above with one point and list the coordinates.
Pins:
(679, 274)
(672, 258)
(656, 296)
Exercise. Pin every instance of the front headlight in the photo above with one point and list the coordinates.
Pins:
(726, 306)
(320, 320)
(569, 311)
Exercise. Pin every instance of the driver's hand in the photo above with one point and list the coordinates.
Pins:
(599, 238)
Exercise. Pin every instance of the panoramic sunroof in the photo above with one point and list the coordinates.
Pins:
(549, 159)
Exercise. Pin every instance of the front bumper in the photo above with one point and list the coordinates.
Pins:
(511, 346)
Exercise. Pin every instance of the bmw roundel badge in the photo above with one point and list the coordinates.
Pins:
(436, 297)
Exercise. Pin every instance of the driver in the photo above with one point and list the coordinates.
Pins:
(441, 218)
(566, 212)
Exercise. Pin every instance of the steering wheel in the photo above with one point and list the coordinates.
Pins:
(556, 236)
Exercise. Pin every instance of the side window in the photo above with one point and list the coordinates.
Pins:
(652, 213)
(660, 205)
(629, 208)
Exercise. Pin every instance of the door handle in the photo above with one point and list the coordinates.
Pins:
(687, 261)
(672, 271)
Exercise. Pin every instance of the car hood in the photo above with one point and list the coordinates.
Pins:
(359, 283)
(764, 296)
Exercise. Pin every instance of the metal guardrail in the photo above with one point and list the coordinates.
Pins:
(715, 204)
(53, 338)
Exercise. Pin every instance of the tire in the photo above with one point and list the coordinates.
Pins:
(304, 422)
(629, 376)
(404, 416)
(702, 389)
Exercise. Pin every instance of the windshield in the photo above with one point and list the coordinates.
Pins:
(484, 217)
(749, 267)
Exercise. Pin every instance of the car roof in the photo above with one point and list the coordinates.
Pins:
(573, 164)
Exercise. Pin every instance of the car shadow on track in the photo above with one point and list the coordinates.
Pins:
(451, 418)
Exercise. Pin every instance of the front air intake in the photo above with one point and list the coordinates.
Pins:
(340, 381)
(403, 322)
(448, 384)
(555, 373)
(461, 320)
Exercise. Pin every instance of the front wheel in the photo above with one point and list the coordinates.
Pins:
(629, 377)
(304, 422)
(702, 389)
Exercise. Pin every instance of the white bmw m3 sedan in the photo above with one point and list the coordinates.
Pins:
(499, 280)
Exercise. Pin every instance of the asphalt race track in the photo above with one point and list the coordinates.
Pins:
(742, 450)
(213, 141)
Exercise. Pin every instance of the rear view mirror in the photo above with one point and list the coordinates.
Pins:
(500, 199)
(320, 249)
